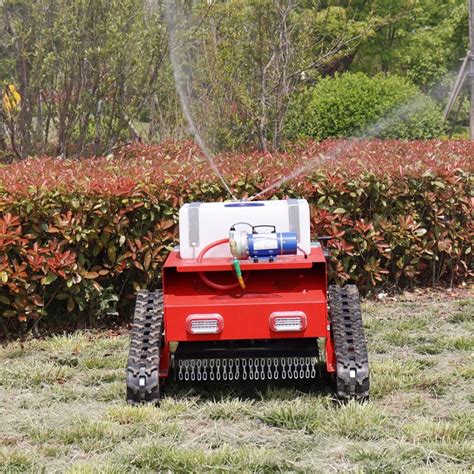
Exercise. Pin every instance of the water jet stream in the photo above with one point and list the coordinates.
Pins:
(416, 104)
(179, 78)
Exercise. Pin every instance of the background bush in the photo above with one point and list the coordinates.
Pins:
(80, 237)
(356, 104)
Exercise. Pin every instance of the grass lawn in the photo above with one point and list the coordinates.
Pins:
(62, 407)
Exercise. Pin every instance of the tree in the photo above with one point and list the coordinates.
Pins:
(424, 39)
(251, 55)
(83, 69)
(96, 74)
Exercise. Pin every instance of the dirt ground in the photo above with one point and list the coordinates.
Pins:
(62, 406)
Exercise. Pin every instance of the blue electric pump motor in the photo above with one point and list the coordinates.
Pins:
(257, 245)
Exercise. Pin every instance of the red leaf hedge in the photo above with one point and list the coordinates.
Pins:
(78, 235)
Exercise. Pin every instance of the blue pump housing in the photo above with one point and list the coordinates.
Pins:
(270, 245)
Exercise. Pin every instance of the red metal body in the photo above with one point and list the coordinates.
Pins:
(288, 284)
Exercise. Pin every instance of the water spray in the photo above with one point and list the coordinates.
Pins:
(406, 109)
(178, 74)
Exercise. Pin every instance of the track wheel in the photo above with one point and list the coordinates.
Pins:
(143, 384)
(352, 366)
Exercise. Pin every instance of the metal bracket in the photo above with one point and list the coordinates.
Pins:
(294, 217)
(193, 213)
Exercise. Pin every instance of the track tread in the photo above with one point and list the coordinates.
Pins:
(349, 343)
(145, 343)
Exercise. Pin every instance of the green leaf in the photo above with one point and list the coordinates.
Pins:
(90, 275)
(420, 232)
(49, 278)
(4, 300)
(71, 304)
(112, 253)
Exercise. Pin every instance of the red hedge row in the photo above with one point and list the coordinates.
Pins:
(78, 235)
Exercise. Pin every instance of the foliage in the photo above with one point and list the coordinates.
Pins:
(75, 231)
(355, 104)
(83, 70)
(424, 40)
(248, 57)
(95, 75)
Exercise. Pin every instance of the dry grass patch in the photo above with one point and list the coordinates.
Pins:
(62, 407)
(351, 421)
(14, 460)
(231, 409)
(458, 430)
(33, 374)
(162, 457)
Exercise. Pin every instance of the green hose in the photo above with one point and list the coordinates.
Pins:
(238, 273)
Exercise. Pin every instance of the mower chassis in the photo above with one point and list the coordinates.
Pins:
(247, 349)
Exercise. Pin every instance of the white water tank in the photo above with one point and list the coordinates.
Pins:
(203, 223)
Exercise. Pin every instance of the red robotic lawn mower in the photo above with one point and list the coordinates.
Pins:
(245, 298)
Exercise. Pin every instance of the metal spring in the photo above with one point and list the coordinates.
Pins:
(260, 368)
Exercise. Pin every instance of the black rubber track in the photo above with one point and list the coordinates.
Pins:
(352, 365)
(145, 343)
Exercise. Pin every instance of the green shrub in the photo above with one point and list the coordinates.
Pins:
(356, 104)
